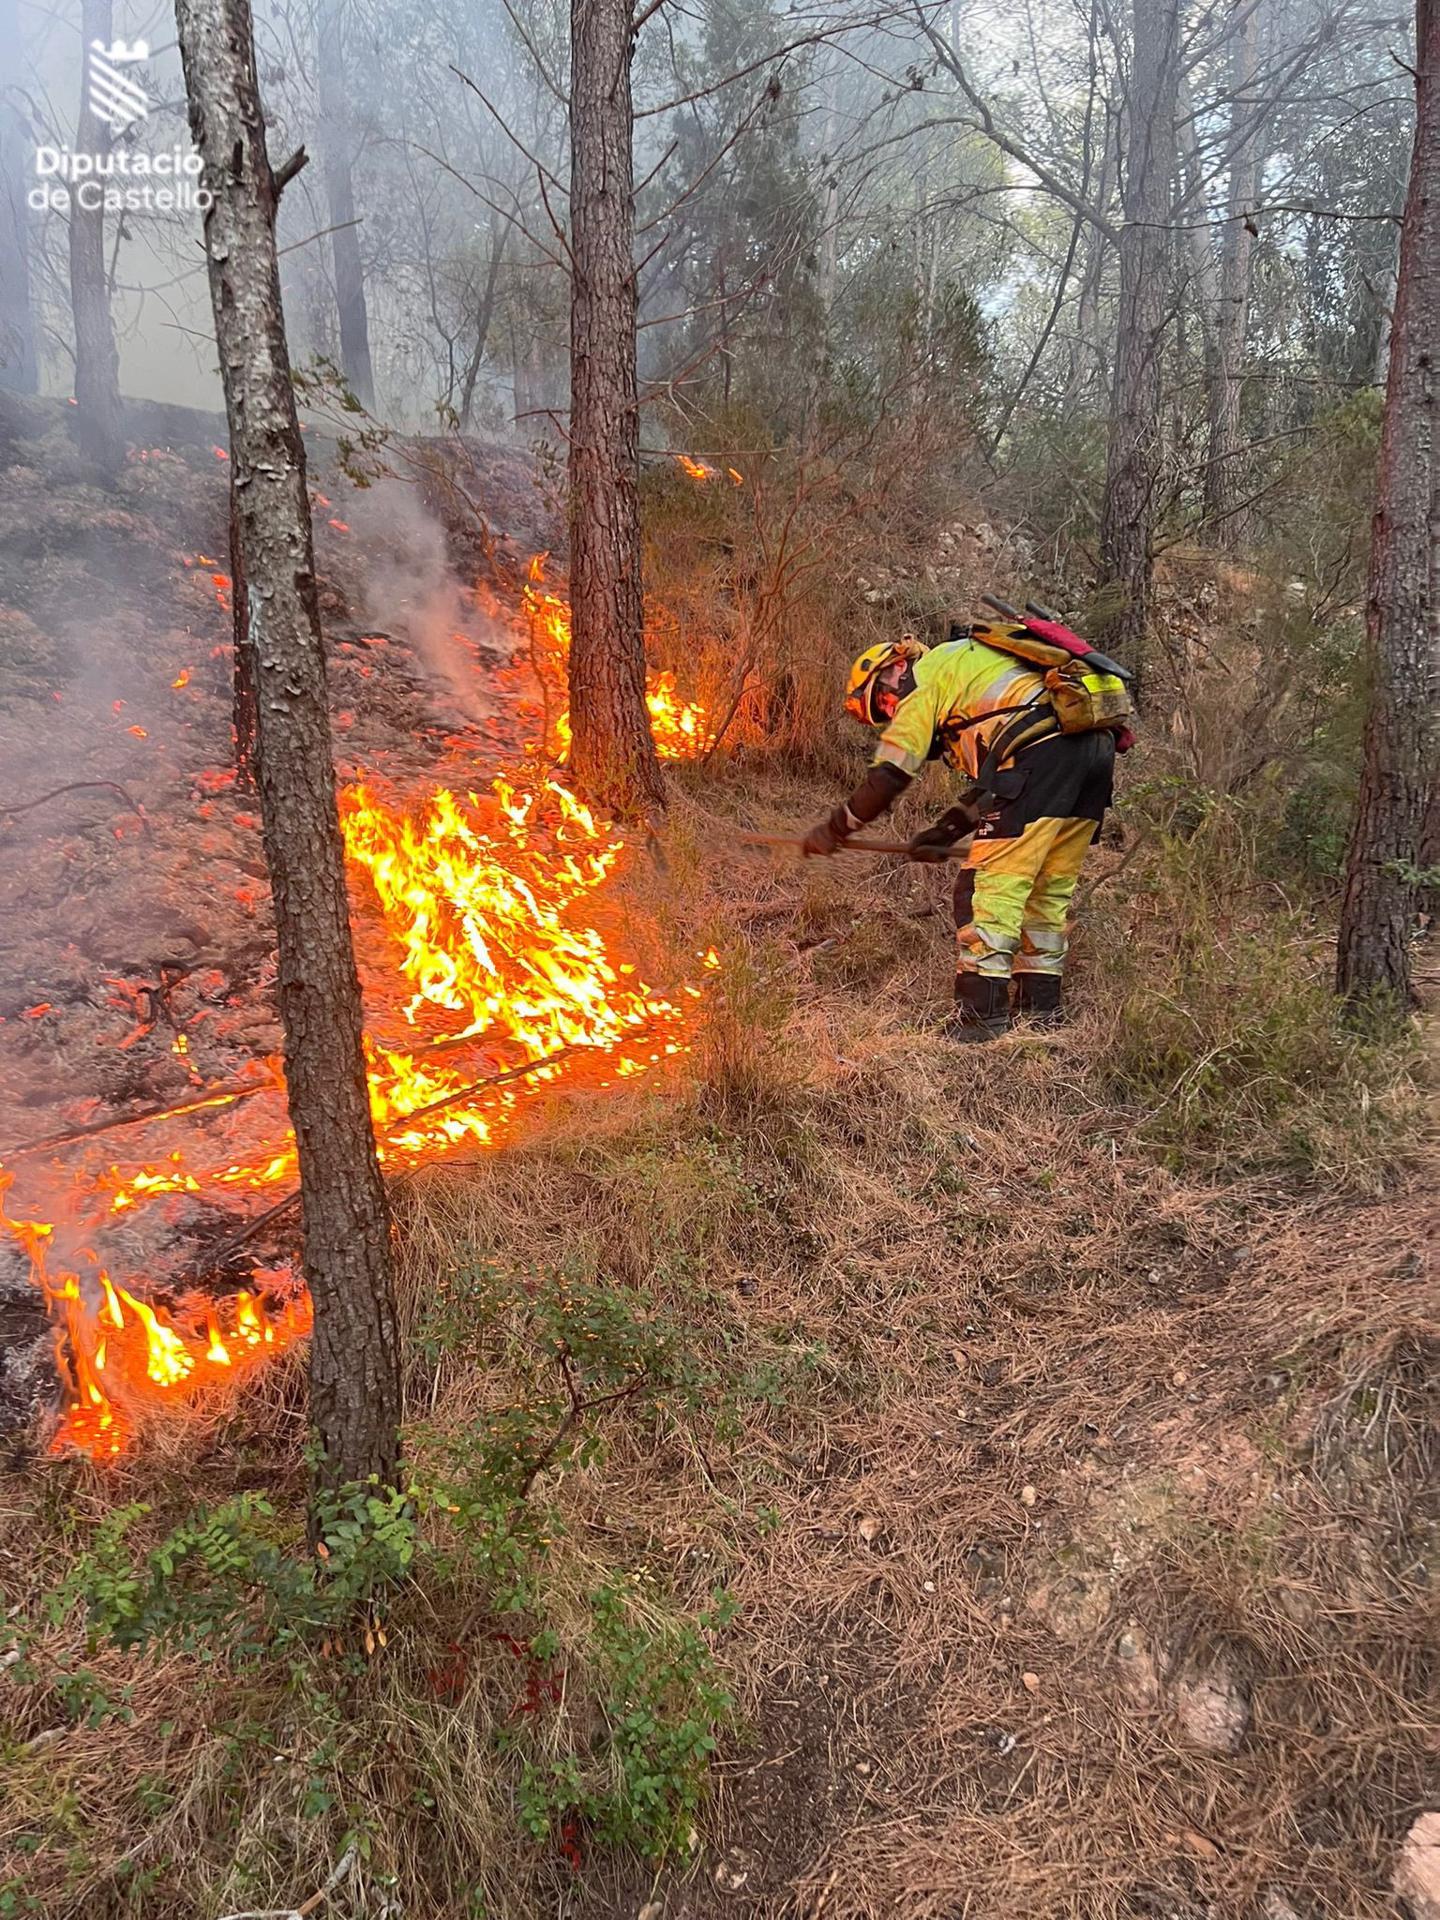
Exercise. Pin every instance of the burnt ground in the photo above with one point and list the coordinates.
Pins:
(133, 891)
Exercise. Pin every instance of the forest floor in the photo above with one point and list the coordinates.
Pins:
(1058, 1418)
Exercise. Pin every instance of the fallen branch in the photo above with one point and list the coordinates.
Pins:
(256, 1226)
(81, 786)
(220, 1096)
(248, 1233)
(338, 1873)
(492, 1080)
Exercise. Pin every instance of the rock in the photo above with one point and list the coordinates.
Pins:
(1213, 1711)
(652, 1910)
(1073, 1607)
(1140, 1671)
(732, 1873)
(1274, 1906)
(1417, 1871)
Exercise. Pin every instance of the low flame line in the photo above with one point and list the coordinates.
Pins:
(223, 1252)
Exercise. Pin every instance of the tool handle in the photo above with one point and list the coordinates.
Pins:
(1100, 661)
(857, 843)
(1000, 606)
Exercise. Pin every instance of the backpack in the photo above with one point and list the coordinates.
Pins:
(1086, 689)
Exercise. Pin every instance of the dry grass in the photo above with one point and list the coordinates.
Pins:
(1007, 1374)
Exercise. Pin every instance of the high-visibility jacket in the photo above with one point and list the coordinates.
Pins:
(964, 694)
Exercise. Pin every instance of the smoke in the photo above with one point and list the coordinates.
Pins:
(411, 591)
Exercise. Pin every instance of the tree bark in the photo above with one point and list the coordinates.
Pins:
(19, 365)
(97, 365)
(612, 753)
(354, 1359)
(244, 714)
(335, 147)
(1134, 455)
(1403, 603)
(1226, 346)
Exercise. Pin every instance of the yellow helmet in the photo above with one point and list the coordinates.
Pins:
(866, 672)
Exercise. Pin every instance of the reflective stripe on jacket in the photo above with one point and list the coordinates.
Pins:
(957, 683)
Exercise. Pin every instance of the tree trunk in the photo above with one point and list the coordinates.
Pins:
(335, 147)
(19, 366)
(612, 754)
(483, 319)
(1403, 604)
(244, 714)
(1225, 358)
(1133, 458)
(354, 1361)
(97, 365)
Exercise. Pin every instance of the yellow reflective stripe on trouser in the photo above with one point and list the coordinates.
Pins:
(1020, 896)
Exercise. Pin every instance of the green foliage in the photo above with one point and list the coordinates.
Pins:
(236, 1581)
(639, 1784)
(1228, 1035)
(360, 440)
(1315, 828)
(576, 1348)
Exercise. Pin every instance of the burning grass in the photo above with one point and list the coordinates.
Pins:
(493, 968)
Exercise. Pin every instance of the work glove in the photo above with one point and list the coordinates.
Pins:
(934, 843)
(828, 836)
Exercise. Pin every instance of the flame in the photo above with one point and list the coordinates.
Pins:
(118, 1354)
(678, 726)
(493, 926)
(494, 965)
(696, 469)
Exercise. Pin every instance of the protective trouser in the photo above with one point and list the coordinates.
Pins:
(1012, 898)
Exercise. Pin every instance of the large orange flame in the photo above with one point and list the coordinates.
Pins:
(489, 942)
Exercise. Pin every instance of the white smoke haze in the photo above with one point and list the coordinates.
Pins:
(411, 591)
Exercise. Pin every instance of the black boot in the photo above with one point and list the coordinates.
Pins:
(982, 1008)
(1038, 999)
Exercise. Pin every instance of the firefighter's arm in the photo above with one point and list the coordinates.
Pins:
(909, 739)
(904, 748)
(934, 842)
(876, 793)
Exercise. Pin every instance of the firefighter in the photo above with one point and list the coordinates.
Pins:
(1035, 800)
